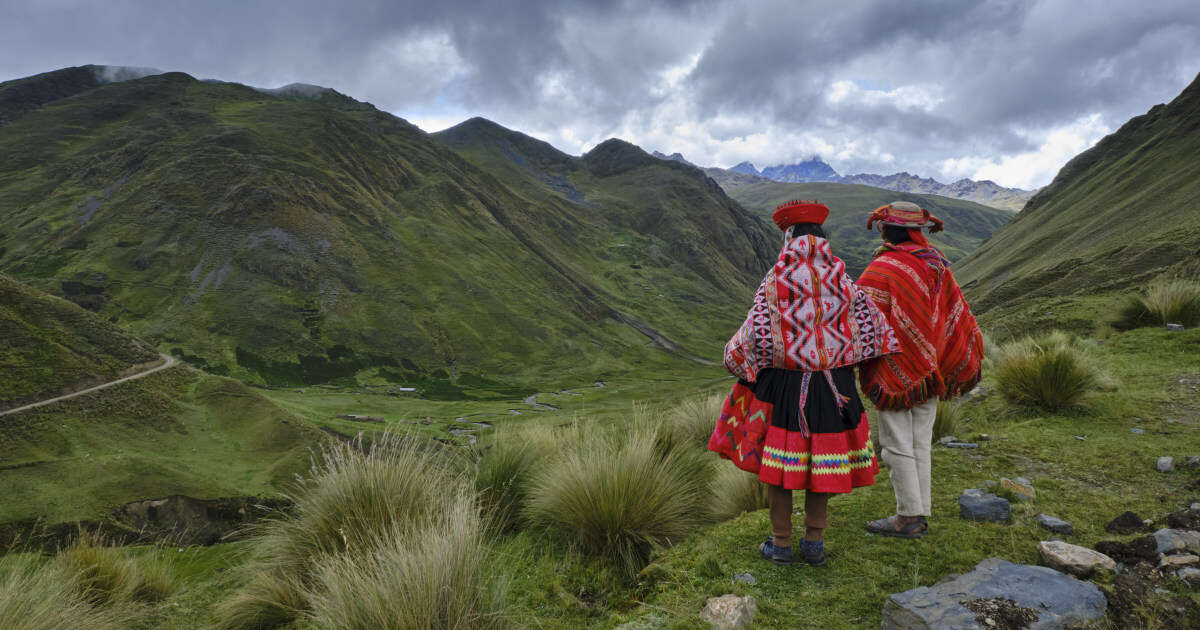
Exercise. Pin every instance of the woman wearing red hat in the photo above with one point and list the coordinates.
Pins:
(941, 349)
(794, 417)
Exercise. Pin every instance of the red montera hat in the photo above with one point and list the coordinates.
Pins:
(905, 214)
(799, 211)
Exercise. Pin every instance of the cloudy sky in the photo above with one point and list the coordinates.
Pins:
(1006, 91)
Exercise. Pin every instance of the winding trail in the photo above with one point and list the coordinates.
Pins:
(168, 361)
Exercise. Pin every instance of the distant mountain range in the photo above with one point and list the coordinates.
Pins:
(1117, 215)
(300, 236)
(986, 192)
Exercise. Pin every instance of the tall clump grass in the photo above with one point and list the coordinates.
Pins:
(425, 575)
(1051, 371)
(44, 597)
(946, 421)
(357, 499)
(106, 575)
(505, 470)
(619, 495)
(1167, 301)
(735, 491)
(694, 419)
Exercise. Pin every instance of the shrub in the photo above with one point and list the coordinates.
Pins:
(735, 491)
(1052, 372)
(105, 575)
(44, 598)
(619, 496)
(427, 576)
(946, 421)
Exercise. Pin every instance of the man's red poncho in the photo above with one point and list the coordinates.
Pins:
(941, 345)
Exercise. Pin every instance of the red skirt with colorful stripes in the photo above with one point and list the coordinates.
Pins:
(798, 432)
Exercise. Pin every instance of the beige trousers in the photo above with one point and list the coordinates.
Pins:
(905, 438)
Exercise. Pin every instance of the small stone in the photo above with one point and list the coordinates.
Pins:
(1195, 507)
(1175, 327)
(1081, 438)
(984, 508)
(961, 445)
(1137, 431)
(729, 612)
(1169, 540)
(946, 439)
(1056, 525)
(984, 437)
(974, 492)
(1176, 561)
(745, 578)
(1023, 491)
(1193, 461)
(1166, 464)
(1191, 575)
(1073, 559)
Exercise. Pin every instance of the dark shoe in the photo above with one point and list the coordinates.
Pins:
(814, 552)
(891, 526)
(778, 555)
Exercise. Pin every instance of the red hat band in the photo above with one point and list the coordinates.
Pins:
(799, 211)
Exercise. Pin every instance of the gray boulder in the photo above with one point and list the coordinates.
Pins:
(1175, 327)
(1056, 525)
(1170, 540)
(729, 612)
(984, 507)
(1074, 559)
(1057, 599)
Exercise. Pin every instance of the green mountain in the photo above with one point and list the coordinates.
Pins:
(175, 431)
(299, 236)
(49, 346)
(1117, 214)
(967, 223)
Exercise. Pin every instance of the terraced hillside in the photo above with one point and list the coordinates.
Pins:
(1116, 215)
(49, 346)
(299, 236)
(967, 223)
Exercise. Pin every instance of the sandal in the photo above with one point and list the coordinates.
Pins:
(778, 555)
(889, 527)
(814, 552)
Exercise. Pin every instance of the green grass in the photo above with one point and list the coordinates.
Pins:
(1051, 372)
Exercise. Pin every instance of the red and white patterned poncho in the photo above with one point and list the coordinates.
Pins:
(808, 315)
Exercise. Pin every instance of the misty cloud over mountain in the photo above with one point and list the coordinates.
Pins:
(997, 90)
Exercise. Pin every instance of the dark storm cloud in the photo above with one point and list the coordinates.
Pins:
(943, 88)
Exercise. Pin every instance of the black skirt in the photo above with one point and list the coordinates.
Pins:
(782, 389)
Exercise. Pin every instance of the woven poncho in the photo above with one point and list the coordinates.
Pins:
(941, 345)
(808, 315)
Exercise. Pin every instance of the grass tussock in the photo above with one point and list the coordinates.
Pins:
(1051, 372)
(1167, 301)
(106, 575)
(34, 597)
(694, 419)
(358, 496)
(946, 421)
(431, 575)
(506, 468)
(619, 496)
(735, 491)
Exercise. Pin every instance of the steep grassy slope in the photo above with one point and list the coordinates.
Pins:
(300, 236)
(50, 346)
(177, 431)
(967, 223)
(1116, 214)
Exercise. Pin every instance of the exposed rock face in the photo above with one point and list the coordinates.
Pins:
(1058, 600)
(984, 507)
(1074, 559)
(1170, 540)
(184, 520)
(729, 612)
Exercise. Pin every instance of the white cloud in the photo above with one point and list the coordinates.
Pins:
(1036, 168)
